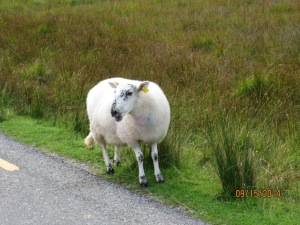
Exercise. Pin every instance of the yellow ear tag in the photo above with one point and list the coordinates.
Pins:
(116, 83)
(145, 90)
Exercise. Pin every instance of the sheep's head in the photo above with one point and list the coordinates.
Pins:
(125, 98)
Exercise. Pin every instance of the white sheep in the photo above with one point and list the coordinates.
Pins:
(128, 112)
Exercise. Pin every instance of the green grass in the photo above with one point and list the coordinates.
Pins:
(192, 187)
(257, 86)
(205, 44)
(241, 58)
(234, 153)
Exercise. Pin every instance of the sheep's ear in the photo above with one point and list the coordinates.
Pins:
(143, 87)
(113, 84)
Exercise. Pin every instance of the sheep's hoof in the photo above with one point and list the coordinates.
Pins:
(117, 163)
(159, 178)
(143, 182)
(110, 169)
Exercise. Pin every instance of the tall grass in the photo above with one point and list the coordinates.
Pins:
(240, 56)
(233, 151)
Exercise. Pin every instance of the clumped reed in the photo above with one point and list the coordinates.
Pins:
(233, 152)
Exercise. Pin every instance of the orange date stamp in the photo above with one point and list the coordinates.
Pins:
(266, 193)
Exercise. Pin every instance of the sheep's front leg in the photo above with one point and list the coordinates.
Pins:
(110, 169)
(140, 158)
(117, 156)
(154, 154)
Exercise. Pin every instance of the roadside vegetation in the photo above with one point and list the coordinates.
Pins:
(231, 72)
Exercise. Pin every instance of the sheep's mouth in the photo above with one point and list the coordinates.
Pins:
(116, 114)
(118, 118)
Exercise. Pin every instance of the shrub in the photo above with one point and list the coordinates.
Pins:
(36, 71)
(43, 29)
(257, 85)
(78, 2)
(282, 9)
(205, 44)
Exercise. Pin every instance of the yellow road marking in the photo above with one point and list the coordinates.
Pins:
(8, 166)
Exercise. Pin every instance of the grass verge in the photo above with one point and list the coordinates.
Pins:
(193, 188)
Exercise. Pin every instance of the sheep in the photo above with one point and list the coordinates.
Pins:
(128, 112)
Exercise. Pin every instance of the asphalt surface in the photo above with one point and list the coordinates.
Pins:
(50, 190)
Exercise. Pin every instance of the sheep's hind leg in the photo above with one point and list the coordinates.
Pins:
(110, 169)
(117, 156)
(140, 158)
(154, 154)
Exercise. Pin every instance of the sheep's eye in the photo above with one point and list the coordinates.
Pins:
(129, 93)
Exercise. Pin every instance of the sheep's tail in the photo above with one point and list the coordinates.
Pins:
(89, 140)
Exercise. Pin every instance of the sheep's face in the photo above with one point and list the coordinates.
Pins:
(124, 98)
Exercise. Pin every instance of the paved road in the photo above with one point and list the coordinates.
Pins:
(49, 190)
